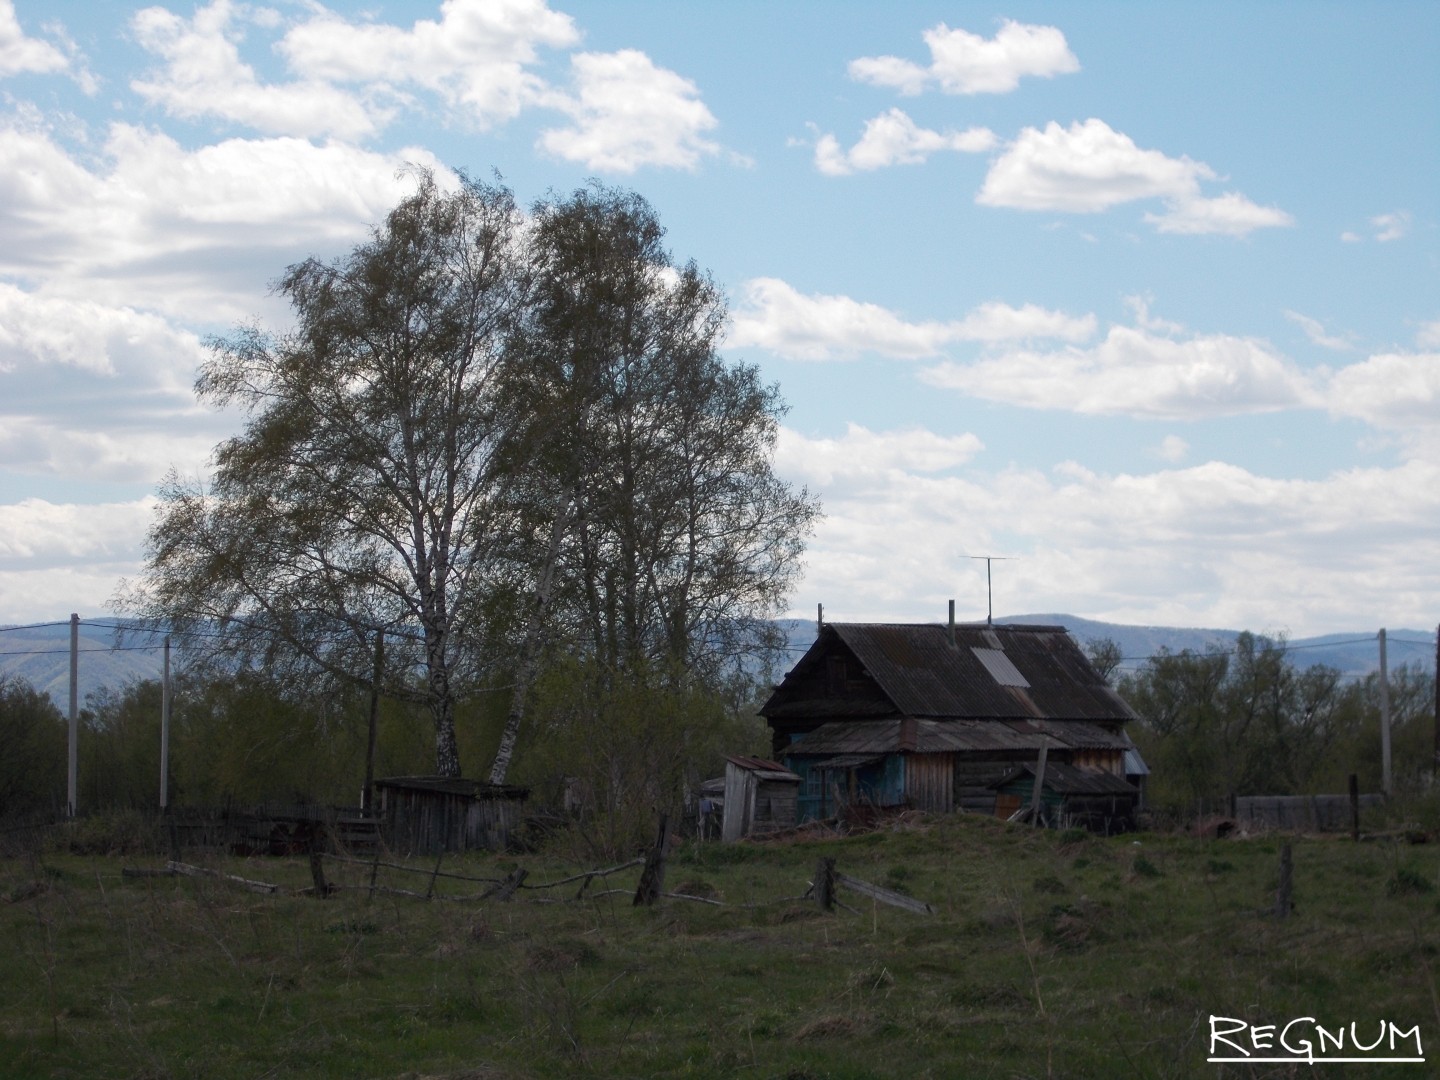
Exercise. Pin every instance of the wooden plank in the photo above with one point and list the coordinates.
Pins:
(885, 896)
(200, 871)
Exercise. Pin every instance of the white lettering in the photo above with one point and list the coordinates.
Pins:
(1355, 1039)
(1305, 1047)
(1264, 1031)
(1338, 1038)
(1219, 1036)
(1394, 1031)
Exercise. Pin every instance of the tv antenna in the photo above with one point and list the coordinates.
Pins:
(989, 591)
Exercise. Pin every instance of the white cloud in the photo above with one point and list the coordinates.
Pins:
(1136, 373)
(778, 317)
(56, 558)
(1208, 545)
(20, 54)
(98, 394)
(204, 76)
(966, 63)
(892, 138)
(1089, 167)
(1428, 336)
(629, 113)
(476, 58)
(1173, 448)
(1231, 214)
(39, 331)
(1140, 311)
(36, 533)
(156, 226)
(1391, 226)
(1315, 331)
(871, 455)
(1392, 390)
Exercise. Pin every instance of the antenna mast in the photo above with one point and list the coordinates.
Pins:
(989, 591)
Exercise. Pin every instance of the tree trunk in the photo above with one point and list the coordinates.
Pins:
(530, 649)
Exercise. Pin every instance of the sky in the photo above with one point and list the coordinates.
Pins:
(1142, 298)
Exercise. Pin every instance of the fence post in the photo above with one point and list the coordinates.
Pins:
(1283, 904)
(1354, 807)
(317, 869)
(652, 878)
(825, 884)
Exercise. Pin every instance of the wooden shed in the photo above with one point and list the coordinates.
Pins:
(760, 797)
(1099, 801)
(425, 815)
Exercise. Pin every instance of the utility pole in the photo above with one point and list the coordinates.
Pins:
(1435, 763)
(367, 796)
(165, 730)
(1384, 719)
(74, 751)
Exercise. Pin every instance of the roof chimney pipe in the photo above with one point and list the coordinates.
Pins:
(952, 624)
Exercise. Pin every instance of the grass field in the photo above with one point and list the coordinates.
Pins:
(1051, 954)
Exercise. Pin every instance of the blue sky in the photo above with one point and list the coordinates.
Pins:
(1145, 296)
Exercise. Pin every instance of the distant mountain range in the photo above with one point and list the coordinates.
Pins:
(1355, 655)
(42, 655)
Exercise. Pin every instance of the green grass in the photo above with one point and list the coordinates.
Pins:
(1050, 955)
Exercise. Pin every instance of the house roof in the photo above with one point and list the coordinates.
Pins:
(926, 736)
(990, 672)
(1065, 779)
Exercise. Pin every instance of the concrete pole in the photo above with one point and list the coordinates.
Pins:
(1384, 718)
(73, 769)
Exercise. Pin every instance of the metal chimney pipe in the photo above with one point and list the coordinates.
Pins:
(952, 624)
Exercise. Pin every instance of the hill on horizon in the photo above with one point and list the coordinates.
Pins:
(1355, 655)
(41, 655)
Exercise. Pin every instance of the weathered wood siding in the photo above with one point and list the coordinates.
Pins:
(930, 782)
(1107, 761)
(775, 805)
(429, 822)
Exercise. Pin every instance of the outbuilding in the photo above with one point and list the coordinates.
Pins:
(425, 815)
(760, 796)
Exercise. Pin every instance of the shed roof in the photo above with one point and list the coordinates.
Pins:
(1065, 779)
(763, 768)
(454, 785)
(990, 672)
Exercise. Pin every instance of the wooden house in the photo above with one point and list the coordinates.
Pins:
(425, 815)
(930, 716)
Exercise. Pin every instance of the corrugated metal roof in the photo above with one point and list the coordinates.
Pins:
(847, 761)
(766, 770)
(1044, 675)
(1066, 779)
(454, 785)
(1000, 668)
(942, 736)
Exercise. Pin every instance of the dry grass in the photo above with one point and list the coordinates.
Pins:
(1049, 956)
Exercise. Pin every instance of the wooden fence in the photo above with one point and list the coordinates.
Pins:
(1301, 813)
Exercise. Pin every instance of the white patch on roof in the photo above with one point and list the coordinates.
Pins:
(999, 666)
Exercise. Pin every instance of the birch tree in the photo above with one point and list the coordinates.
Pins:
(667, 542)
(360, 494)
